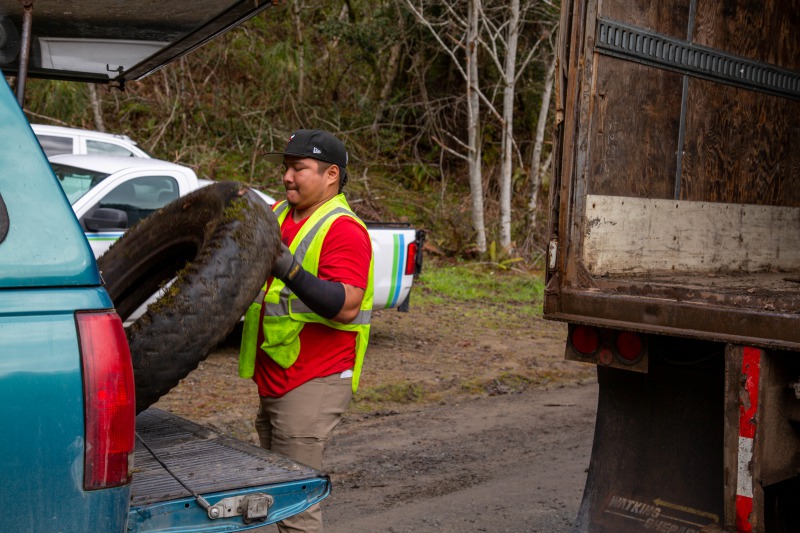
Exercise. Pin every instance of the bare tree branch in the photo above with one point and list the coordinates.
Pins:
(449, 150)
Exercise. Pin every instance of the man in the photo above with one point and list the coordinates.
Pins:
(305, 336)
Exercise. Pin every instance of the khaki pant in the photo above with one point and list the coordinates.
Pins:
(298, 425)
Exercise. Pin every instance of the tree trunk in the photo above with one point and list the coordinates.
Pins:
(300, 48)
(473, 126)
(536, 159)
(392, 69)
(507, 143)
(97, 110)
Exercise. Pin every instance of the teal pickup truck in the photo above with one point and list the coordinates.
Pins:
(78, 454)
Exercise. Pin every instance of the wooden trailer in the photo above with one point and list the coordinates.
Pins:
(675, 257)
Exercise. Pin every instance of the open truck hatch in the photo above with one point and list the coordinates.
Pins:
(241, 483)
(107, 41)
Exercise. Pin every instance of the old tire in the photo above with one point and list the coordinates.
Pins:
(218, 243)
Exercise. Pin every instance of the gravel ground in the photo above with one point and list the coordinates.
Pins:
(459, 425)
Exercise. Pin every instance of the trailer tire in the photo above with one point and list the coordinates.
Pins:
(218, 245)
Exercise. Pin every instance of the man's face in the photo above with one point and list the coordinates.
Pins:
(305, 184)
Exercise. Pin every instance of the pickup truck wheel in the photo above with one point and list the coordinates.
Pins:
(218, 245)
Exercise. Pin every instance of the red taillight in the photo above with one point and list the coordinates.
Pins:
(109, 398)
(629, 346)
(585, 340)
(411, 258)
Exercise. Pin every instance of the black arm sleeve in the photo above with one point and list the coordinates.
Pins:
(325, 298)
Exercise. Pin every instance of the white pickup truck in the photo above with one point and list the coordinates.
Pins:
(110, 194)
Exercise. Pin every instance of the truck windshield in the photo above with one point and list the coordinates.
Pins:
(76, 181)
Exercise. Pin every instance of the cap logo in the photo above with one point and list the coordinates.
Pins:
(317, 150)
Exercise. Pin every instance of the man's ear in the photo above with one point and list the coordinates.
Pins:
(332, 175)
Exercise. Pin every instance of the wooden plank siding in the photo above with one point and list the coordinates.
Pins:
(676, 206)
(635, 130)
(670, 17)
(636, 109)
(744, 146)
(765, 31)
(740, 146)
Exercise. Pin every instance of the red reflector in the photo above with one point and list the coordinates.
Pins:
(109, 400)
(411, 258)
(585, 340)
(629, 345)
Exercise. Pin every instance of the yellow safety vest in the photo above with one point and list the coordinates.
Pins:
(284, 313)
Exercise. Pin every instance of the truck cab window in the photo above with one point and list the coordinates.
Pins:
(55, 145)
(104, 148)
(140, 197)
(76, 181)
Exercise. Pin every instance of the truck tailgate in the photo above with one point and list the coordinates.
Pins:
(215, 467)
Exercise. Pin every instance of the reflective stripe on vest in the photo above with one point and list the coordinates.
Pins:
(299, 253)
(282, 309)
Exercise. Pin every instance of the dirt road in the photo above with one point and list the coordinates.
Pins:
(460, 425)
(512, 463)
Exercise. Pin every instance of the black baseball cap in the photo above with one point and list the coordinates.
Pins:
(316, 144)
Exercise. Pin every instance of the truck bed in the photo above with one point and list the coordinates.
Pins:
(206, 461)
(755, 308)
(675, 205)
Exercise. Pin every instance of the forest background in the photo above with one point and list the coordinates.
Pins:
(444, 106)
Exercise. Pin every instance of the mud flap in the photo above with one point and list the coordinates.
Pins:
(657, 457)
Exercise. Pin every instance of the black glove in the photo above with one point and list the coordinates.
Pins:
(285, 268)
(326, 298)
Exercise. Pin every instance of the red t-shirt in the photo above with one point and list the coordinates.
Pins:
(345, 256)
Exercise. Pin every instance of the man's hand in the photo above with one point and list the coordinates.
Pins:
(285, 268)
(325, 298)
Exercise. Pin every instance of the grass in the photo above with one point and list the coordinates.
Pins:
(481, 282)
(486, 296)
(511, 293)
(402, 393)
